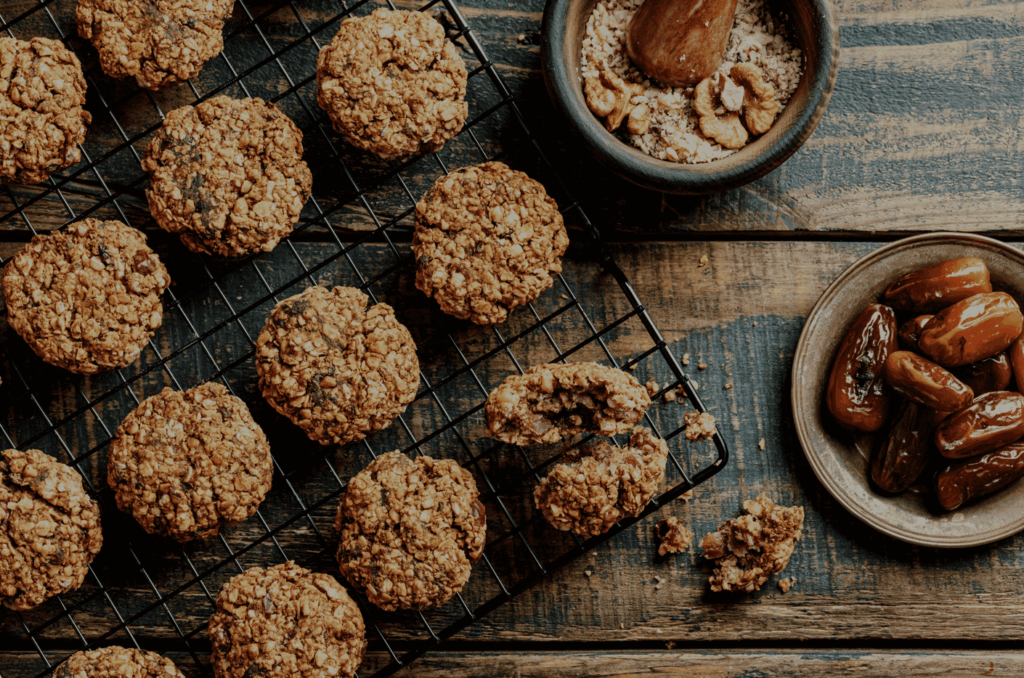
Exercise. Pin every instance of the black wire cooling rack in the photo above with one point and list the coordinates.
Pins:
(144, 592)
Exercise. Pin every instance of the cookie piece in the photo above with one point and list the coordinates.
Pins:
(488, 239)
(286, 621)
(338, 370)
(158, 42)
(410, 531)
(753, 547)
(183, 464)
(564, 399)
(42, 92)
(117, 662)
(393, 84)
(673, 536)
(599, 485)
(49, 529)
(86, 298)
(699, 426)
(228, 176)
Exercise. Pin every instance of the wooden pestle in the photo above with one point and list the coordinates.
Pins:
(680, 42)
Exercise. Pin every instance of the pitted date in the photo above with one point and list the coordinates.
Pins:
(903, 454)
(990, 422)
(973, 329)
(1016, 354)
(988, 375)
(929, 289)
(855, 394)
(910, 331)
(924, 382)
(959, 483)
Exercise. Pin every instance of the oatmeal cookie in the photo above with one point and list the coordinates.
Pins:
(228, 176)
(393, 84)
(185, 463)
(410, 531)
(49, 529)
(488, 239)
(564, 399)
(753, 547)
(86, 298)
(673, 536)
(284, 622)
(42, 92)
(158, 42)
(338, 370)
(600, 484)
(117, 662)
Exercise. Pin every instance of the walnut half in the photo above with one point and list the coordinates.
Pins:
(759, 105)
(719, 105)
(610, 97)
(726, 129)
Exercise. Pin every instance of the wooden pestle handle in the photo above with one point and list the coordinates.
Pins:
(680, 42)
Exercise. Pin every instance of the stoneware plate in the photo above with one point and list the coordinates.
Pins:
(840, 458)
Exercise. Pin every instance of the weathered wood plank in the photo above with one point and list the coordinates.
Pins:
(675, 664)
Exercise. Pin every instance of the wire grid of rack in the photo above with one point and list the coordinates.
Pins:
(146, 593)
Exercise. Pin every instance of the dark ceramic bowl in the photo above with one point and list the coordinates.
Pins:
(812, 26)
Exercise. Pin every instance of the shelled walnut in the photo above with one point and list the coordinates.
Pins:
(724, 104)
(610, 97)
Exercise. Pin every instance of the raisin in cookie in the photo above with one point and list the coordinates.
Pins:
(49, 529)
(42, 92)
(283, 622)
(184, 463)
(488, 239)
(158, 42)
(564, 399)
(749, 549)
(86, 298)
(600, 484)
(410, 531)
(117, 662)
(228, 176)
(337, 369)
(393, 84)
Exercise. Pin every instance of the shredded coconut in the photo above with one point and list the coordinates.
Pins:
(673, 133)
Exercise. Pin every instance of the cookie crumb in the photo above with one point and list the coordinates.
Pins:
(702, 365)
(673, 535)
(750, 549)
(669, 397)
(786, 584)
(761, 443)
(632, 368)
(686, 358)
(755, 324)
(588, 572)
(670, 645)
(699, 425)
(727, 387)
(703, 261)
(652, 388)
(521, 38)
(686, 496)
(565, 296)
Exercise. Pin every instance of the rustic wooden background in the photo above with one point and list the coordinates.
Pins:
(923, 133)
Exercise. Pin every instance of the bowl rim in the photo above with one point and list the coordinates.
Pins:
(798, 405)
(693, 179)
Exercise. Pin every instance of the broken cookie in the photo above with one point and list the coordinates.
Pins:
(673, 535)
(564, 399)
(750, 549)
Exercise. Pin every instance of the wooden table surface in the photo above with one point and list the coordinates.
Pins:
(923, 133)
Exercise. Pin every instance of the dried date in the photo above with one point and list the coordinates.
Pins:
(990, 422)
(903, 454)
(929, 289)
(973, 329)
(959, 483)
(1016, 354)
(910, 332)
(926, 383)
(855, 394)
(985, 376)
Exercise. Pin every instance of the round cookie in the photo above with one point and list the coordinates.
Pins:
(86, 298)
(338, 370)
(158, 42)
(183, 464)
(49, 529)
(410, 531)
(488, 239)
(117, 662)
(601, 484)
(393, 84)
(42, 92)
(564, 399)
(228, 176)
(286, 621)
